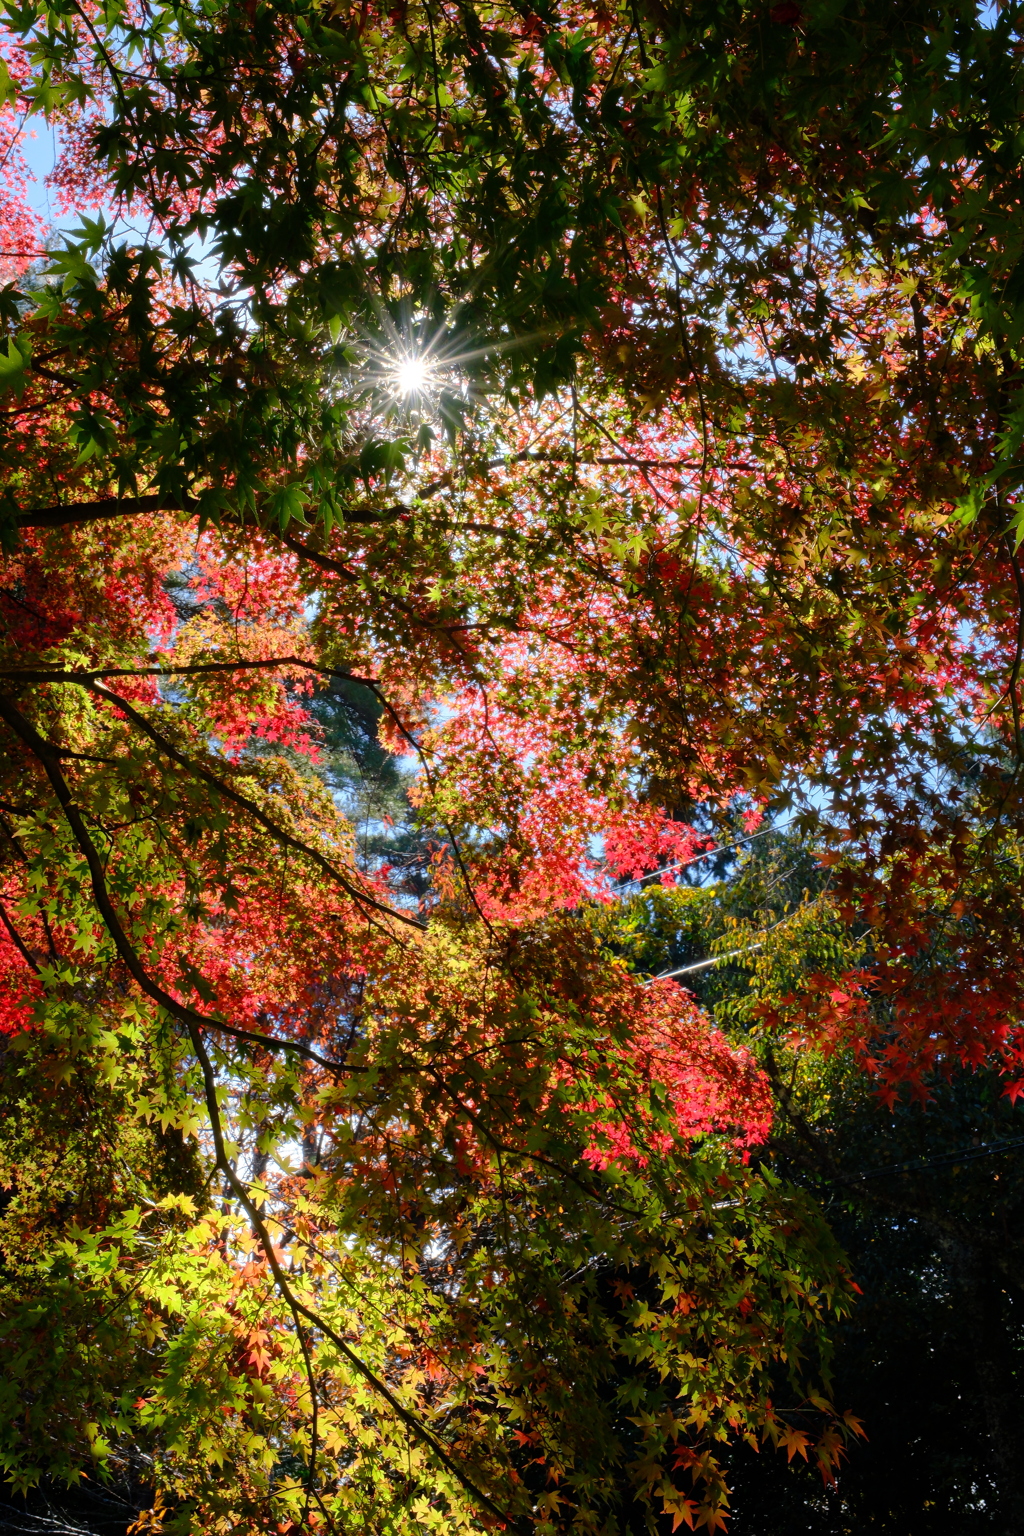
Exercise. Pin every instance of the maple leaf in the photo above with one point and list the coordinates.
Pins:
(795, 1441)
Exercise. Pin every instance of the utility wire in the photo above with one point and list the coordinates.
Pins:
(701, 965)
(708, 853)
(987, 1149)
(734, 954)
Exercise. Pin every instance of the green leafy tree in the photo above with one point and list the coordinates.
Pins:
(926, 1204)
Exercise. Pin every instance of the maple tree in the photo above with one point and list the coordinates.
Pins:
(603, 424)
(926, 1206)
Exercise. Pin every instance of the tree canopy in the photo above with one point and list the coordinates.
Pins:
(477, 479)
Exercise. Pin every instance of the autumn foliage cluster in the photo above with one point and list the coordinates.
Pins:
(605, 424)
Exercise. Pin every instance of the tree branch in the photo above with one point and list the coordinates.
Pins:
(127, 953)
(105, 507)
(75, 512)
(299, 1309)
(286, 839)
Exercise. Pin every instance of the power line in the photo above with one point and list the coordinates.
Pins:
(987, 1149)
(734, 954)
(709, 853)
(685, 970)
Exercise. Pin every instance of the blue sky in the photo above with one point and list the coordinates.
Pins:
(40, 150)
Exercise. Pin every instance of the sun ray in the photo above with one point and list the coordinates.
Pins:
(421, 368)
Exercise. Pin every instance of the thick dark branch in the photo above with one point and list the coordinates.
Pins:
(105, 507)
(75, 512)
(196, 669)
(204, 668)
(71, 513)
(1018, 577)
(16, 940)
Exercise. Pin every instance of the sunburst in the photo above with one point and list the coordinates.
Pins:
(416, 367)
(413, 376)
